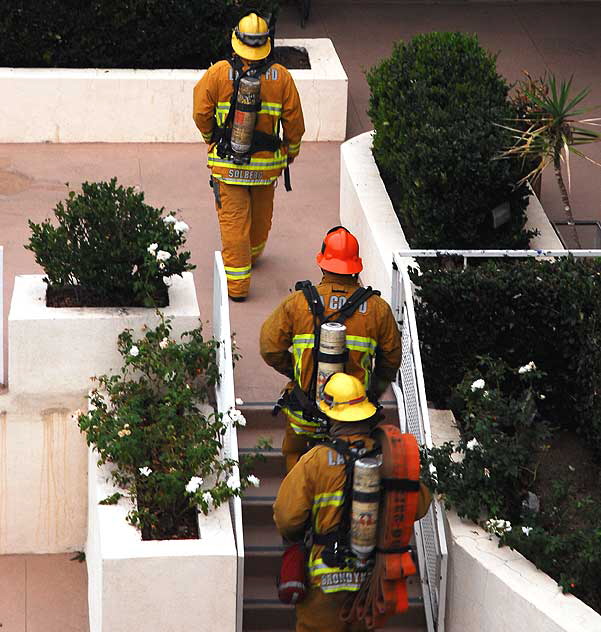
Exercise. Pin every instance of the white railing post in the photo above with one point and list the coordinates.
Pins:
(226, 400)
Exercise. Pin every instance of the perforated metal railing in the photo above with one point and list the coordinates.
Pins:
(226, 400)
(430, 540)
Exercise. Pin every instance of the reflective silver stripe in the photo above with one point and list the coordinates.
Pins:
(298, 585)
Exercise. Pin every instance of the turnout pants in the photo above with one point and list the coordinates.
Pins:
(294, 446)
(319, 612)
(244, 214)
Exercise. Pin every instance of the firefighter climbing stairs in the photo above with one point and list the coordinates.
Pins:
(262, 544)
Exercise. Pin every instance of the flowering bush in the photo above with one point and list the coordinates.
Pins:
(490, 471)
(109, 248)
(150, 423)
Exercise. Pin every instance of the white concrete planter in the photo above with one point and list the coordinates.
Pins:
(498, 589)
(366, 210)
(94, 105)
(78, 343)
(156, 586)
(53, 352)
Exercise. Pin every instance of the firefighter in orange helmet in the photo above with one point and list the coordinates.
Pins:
(313, 494)
(243, 185)
(288, 336)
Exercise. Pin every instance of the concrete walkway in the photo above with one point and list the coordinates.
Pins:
(47, 593)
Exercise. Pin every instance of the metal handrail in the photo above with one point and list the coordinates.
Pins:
(226, 400)
(410, 392)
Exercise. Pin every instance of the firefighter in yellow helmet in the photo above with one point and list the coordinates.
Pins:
(243, 183)
(288, 336)
(312, 494)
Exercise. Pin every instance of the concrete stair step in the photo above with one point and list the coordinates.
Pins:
(263, 610)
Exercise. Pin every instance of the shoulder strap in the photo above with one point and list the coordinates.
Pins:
(357, 298)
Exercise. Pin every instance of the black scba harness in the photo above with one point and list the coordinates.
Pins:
(222, 134)
(297, 399)
(337, 546)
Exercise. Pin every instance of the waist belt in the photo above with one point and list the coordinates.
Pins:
(384, 591)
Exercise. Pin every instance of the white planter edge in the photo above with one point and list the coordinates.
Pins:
(79, 342)
(63, 105)
(158, 586)
(366, 210)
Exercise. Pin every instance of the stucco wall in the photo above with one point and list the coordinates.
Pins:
(60, 105)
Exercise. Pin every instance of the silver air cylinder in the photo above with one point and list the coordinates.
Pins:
(245, 117)
(365, 505)
(332, 343)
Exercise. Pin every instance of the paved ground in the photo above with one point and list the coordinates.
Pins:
(48, 592)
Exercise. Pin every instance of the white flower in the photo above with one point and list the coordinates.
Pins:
(486, 472)
(134, 351)
(253, 480)
(233, 484)
(485, 394)
(169, 377)
(497, 527)
(526, 530)
(161, 265)
(76, 414)
(472, 443)
(152, 249)
(163, 255)
(193, 484)
(237, 417)
(542, 396)
(170, 219)
(527, 368)
(477, 385)
(145, 471)
(208, 498)
(164, 343)
(239, 401)
(181, 227)
(134, 270)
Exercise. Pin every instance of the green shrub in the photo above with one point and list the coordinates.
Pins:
(501, 437)
(542, 311)
(110, 34)
(109, 248)
(435, 104)
(564, 541)
(149, 422)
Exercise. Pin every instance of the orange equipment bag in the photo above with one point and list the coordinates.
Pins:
(384, 591)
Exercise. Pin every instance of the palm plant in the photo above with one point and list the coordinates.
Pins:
(550, 132)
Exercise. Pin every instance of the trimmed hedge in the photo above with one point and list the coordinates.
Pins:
(111, 34)
(542, 311)
(436, 104)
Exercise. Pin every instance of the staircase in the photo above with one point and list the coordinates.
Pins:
(262, 544)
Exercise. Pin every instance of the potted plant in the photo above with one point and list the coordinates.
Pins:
(152, 424)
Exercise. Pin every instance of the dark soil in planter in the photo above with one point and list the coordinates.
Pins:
(74, 296)
(292, 57)
(185, 529)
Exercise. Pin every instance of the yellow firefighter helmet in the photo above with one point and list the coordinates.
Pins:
(344, 399)
(250, 39)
